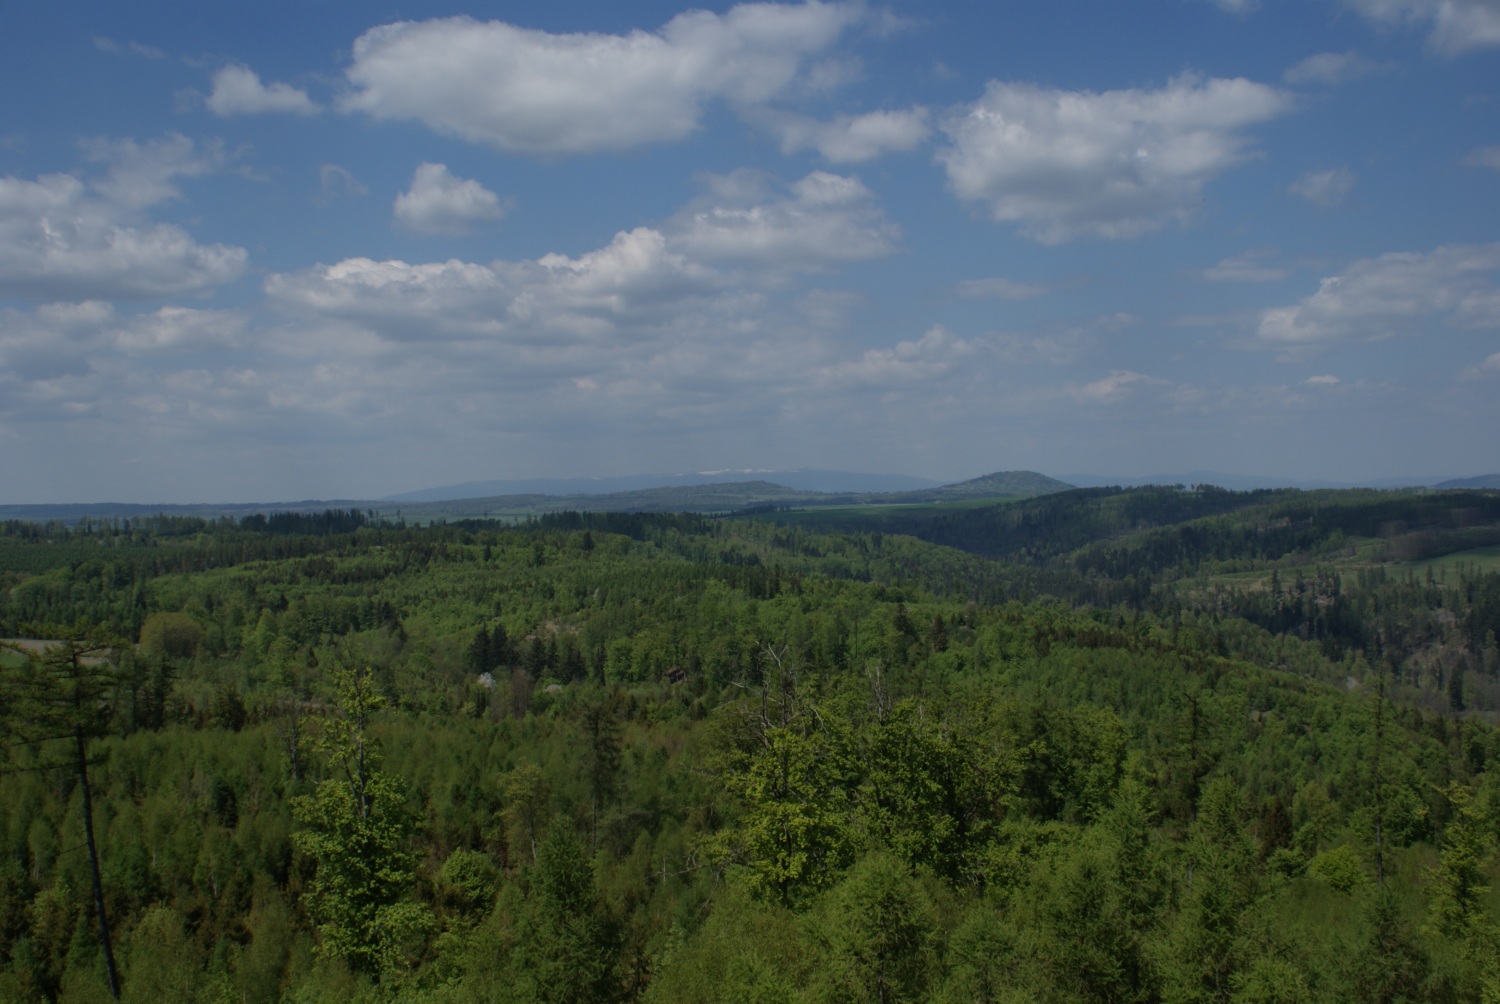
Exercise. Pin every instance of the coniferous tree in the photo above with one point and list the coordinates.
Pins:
(568, 947)
(63, 696)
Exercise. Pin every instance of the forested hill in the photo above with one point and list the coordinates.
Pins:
(1157, 528)
(647, 757)
(721, 496)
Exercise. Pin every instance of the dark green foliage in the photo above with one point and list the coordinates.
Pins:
(566, 949)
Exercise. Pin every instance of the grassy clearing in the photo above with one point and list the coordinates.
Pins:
(1484, 559)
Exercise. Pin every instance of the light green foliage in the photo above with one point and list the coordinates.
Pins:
(1340, 868)
(174, 635)
(468, 880)
(527, 794)
(983, 957)
(1204, 951)
(357, 828)
(1458, 885)
(164, 963)
(928, 790)
(748, 949)
(878, 934)
(1387, 965)
(797, 833)
(1086, 942)
(1271, 980)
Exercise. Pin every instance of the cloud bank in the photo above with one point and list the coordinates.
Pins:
(1397, 293)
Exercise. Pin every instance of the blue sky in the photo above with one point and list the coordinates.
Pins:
(337, 250)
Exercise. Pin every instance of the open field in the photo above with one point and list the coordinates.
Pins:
(1482, 559)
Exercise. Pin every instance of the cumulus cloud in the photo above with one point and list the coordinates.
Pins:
(1325, 188)
(632, 281)
(58, 242)
(1331, 69)
(1458, 26)
(1116, 164)
(644, 282)
(823, 220)
(178, 329)
(67, 348)
(850, 139)
(1247, 267)
(1398, 293)
(440, 203)
(238, 91)
(534, 92)
(933, 355)
(143, 174)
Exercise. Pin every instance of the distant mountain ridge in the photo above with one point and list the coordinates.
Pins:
(805, 479)
(1249, 482)
(721, 494)
(1016, 483)
(1482, 481)
(728, 496)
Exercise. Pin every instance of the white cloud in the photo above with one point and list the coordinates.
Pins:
(1458, 26)
(934, 355)
(998, 288)
(631, 282)
(1116, 164)
(179, 328)
(1322, 380)
(644, 283)
(239, 91)
(1247, 267)
(1332, 68)
(1115, 387)
(1485, 156)
(1397, 293)
(822, 220)
(1325, 188)
(142, 174)
(440, 203)
(535, 92)
(1237, 6)
(850, 139)
(57, 242)
(65, 358)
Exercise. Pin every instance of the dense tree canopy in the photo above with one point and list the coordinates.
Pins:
(1161, 745)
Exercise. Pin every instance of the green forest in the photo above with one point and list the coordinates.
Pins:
(1167, 744)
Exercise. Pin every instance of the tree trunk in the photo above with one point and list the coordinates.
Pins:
(88, 832)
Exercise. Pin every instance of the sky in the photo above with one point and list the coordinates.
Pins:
(281, 251)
